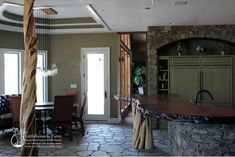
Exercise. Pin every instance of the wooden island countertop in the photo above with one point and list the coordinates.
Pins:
(176, 108)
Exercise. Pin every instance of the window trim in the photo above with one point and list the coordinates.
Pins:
(21, 69)
(45, 79)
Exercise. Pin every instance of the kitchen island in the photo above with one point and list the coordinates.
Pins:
(192, 129)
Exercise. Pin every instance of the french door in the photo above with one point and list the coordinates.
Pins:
(95, 82)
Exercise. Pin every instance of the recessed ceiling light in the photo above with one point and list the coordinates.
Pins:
(172, 23)
(180, 2)
(104, 10)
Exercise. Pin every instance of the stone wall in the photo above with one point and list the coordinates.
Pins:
(201, 139)
(160, 36)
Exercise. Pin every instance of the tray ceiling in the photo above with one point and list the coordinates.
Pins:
(90, 16)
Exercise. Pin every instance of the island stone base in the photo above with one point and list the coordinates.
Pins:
(201, 139)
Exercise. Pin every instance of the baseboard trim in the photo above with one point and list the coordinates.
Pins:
(110, 121)
(114, 120)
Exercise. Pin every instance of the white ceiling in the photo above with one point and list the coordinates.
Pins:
(63, 12)
(132, 15)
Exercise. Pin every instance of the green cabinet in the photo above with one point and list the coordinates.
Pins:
(222, 60)
(184, 80)
(218, 80)
(188, 75)
(181, 61)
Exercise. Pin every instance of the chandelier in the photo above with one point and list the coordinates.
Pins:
(48, 72)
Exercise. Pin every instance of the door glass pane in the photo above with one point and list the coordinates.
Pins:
(95, 78)
(11, 73)
(39, 80)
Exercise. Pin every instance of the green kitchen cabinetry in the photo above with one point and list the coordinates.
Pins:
(188, 75)
(181, 61)
(221, 60)
(218, 80)
(185, 81)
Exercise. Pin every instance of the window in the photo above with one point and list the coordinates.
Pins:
(41, 81)
(12, 73)
(11, 65)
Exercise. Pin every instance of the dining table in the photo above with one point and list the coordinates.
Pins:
(44, 106)
(43, 109)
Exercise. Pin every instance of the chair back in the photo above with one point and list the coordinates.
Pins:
(74, 94)
(83, 107)
(75, 100)
(15, 109)
(63, 109)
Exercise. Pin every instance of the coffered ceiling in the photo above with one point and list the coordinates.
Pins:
(89, 16)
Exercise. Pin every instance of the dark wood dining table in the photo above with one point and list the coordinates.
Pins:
(43, 108)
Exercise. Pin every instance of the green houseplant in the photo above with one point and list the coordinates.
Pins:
(139, 79)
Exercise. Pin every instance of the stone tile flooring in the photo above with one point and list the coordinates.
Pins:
(99, 140)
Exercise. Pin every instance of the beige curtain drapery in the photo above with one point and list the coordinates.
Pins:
(27, 111)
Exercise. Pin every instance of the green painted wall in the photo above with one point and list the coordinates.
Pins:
(14, 40)
(11, 40)
(66, 54)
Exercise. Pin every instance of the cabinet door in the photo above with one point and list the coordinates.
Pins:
(218, 80)
(189, 61)
(184, 80)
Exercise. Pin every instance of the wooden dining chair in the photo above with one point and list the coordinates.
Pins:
(75, 100)
(79, 118)
(75, 94)
(62, 113)
(15, 110)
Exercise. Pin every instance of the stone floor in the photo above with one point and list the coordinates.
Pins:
(99, 140)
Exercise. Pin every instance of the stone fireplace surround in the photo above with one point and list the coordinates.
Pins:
(158, 36)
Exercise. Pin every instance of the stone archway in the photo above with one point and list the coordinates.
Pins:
(160, 36)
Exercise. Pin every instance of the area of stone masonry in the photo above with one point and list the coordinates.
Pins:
(201, 139)
(159, 36)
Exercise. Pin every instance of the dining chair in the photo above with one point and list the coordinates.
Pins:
(15, 110)
(75, 100)
(62, 113)
(79, 119)
(75, 94)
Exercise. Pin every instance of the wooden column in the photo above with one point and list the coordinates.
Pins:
(142, 130)
(27, 111)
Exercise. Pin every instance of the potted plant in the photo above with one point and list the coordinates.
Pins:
(139, 79)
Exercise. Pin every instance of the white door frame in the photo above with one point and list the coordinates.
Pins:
(83, 79)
